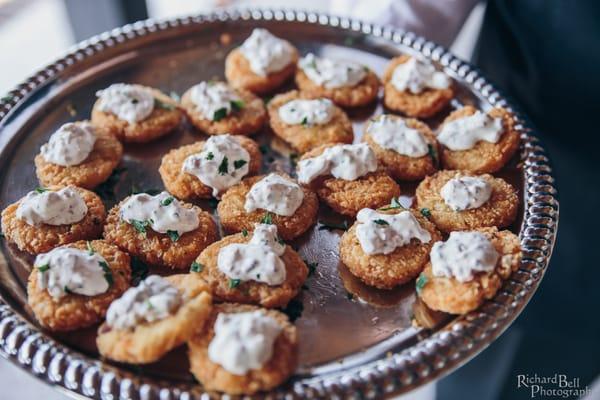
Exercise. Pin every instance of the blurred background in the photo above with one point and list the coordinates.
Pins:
(544, 54)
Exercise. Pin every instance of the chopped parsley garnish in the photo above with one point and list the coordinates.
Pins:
(140, 226)
(244, 232)
(312, 267)
(264, 149)
(237, 105)
(304, 121)
(239, 163)
(139, 271)
(280, 241)
(421, 282)
(167, 201)
(43, 268)
(40, 190)
(213, 203)
(210, 155)
(432, 153)
(106, 190)
(161, 104)
(220, 114)
(90, 249)
(394, 205)
(426, 212)
(107, 272)
(196, 267)
(324, 225)
(350, 296)
(233, 283)
(67, 290)
(267, 219)
(173, 235)
(293, 310)
(224, 166)
(150, 305)
(381, 222)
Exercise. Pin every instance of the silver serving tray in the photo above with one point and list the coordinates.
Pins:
(355, 341)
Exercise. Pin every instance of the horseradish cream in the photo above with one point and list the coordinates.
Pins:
(417, 75)
(131, 103)
(70, 145)
(392, 133)
(466, 192)
(215, 100)
(465, 132)
(306, 112)
(275, 194)
(331, 73)
(343, 161)
(266, 53)
(43, 206)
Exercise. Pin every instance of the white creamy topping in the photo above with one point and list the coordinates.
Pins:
(243, 341)
(343, 161)
(131, 103)
(466, 192)
(212, 98)
(331, 73)
(65, 270)
(417, 75)
(380, 233)
(258, 260)
(463, 255)
(163, 213)
(392, 133)
(464, 133)
(275, 194)
(42, 206)
(222, 163)
(152, 300)
(306, 112)
(266, 53)
(70, 145)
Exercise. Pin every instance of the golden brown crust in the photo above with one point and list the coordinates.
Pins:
(360, 94)
(234, 218)
(148, 342)
(251, 292)
(484, 157)
(499, 211)
(74, 311)
(385, 271)
(246, 121)
(94, 170)
(425, 104)
(373, 190)
(239, 74)
(304, 138)
(214, 377)
(43, 238)
(454, 297)
(405, 168)
(160, 122)
(157, 248)
(185, 186)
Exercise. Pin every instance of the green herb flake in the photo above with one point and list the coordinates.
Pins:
(107, 272)
(239, 163)
(426, 212)
(329, 226)
(280, 241)
(196, 267)
(233, 283)
(139, 226)
(394, 205)
(432, 153)
(90, 249)
(349, 296)
(67, 290)
(264, 149)
(213, 203)
(421, 282)
(106, 190)
(40, 190)
(380, 222)
(237, 105)
(224, 166)
(312, 267)
(173, 235)
(304, 121)
(267, 219)
(244, 232)
(161, 104)
(210, 155)
(43, 268)
(220, 114)
(149, 304)
(167, 201)
(139, 271)
(294, 309)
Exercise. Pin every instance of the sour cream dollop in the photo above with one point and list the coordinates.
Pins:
(243, 341)
(266, 53)
(463, 133)
(222, 163)
(152, 300)
(42, 206)
(70, 145)
(392, 133)
(163, 213)
(416, 75)
(131, 103)
(344, 161)
(466, 192)
(275, 194)
(306, 112)
(258, 260)
(380, 233)
(463, 255)
(66, 270)
(212, 97)
(331, 73)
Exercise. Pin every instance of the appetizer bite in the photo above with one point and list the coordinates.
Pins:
(72, 286)
(405, 147)
(306, 122)
(478, 142)
(347, 83)
(413, 87)
(468, 269)
(78, 154)
(153, 318)
(388, 247)
(254, 267)
(160, 230)
(243, 350)
(135, 113)
(216, 108)
(206, 169)
(346, 177)
(50, 217)
(273, 198)
(460, 200)
(262, 63)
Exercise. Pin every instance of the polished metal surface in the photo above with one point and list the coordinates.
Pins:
(355, 341)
